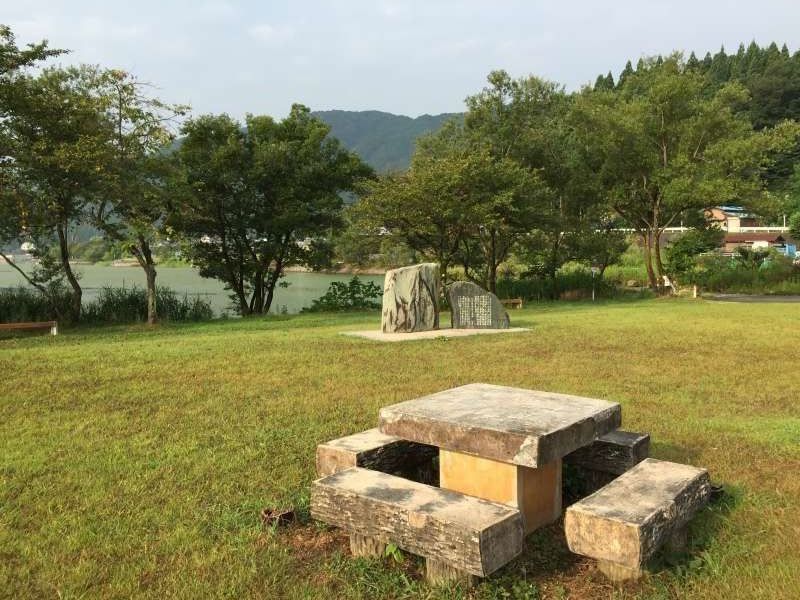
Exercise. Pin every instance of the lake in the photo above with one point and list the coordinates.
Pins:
(303, 287)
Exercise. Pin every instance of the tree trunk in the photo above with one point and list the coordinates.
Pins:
(144, 256)
(77, 292)
(659, 263)
(647, 241)
(493, 264)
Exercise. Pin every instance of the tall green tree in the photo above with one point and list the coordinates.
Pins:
(526, 120)
(457, 204)
(135, 203)
(58, 138)
(661, 148)
(257, 198)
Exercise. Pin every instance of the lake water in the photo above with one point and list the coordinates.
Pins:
(303, 287)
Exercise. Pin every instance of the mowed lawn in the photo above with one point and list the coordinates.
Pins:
(135, 462)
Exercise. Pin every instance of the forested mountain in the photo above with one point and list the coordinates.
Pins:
(383, 140)
(772, 76)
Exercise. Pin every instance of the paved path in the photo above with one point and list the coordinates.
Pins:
(753, 298)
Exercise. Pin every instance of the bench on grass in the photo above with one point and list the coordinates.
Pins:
(623, 524)
(512, 302)
(51, 325)
(460, 536)
(608, 457)
(374, 450)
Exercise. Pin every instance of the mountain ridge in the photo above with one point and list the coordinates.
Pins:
(383, 140)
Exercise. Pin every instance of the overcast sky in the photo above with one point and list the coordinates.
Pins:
(400, 56)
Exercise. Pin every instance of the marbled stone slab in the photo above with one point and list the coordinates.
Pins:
(411, 299)
(626, 521)
(518, 426)
(472, 307)
(469, 534)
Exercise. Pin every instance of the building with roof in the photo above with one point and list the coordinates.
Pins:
(779, 241)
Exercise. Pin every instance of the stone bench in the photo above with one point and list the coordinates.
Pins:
(460, 536)
(374, 450)
(627, 521)
(607, 457)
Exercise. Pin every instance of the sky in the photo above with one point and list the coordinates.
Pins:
(401, 56)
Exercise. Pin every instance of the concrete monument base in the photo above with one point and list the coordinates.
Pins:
(379, 336)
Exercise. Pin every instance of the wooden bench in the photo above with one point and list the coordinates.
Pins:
(608, 457)
(460, 536)
(512, 302)
(623, 524)
(374, 450)
(51, 325)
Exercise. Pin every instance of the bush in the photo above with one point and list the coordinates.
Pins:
(113, 305)
(353, 295)
(129, 305)
(573, 284)
(747, 272)
(21, 304)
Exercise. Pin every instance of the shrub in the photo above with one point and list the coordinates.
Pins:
(573, 284)
(353, 295)
(129, 305)
(21, 304)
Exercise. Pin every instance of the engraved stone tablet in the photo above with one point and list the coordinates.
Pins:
(411, 299)
(472, 307)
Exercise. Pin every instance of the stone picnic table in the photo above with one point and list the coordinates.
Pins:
(500, 452)
(501, 443)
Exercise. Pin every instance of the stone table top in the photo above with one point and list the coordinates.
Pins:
(518, 426)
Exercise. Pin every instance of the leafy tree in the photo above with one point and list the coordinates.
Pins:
(135, 205)
(662, 148)
(526, 120)
(252, 200)
(58, 141)
(794, 225)
(457, 204)
(682, 252)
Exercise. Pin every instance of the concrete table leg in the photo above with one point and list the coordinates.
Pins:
(364, 545)
(437, 572)
(535, 492)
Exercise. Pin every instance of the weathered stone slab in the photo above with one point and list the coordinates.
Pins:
(472, 307)
(469, 534)
(625, 522)
(411, 299)
(615, 452)
(372, 449)
(512, 425)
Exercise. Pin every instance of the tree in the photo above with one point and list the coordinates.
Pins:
(14, 62)
(58, 141)
(683, 251)
(526, 120)
(661, 148)
(457, 204)
(252, 200)
(134, 208)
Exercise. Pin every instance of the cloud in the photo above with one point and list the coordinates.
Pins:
(271, 34)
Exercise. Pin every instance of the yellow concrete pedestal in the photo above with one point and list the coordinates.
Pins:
(535, 492)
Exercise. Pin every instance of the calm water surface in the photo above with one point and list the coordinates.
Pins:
(303, 287)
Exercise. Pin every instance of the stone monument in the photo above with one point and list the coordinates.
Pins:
(411, 299)
(472, 307)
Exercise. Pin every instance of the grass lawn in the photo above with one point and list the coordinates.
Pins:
(135, 462)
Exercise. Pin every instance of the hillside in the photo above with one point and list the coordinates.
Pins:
(383, 140)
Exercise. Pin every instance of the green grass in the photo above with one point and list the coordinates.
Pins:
(134, 462)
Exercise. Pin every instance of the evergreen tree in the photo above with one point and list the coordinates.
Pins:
(626, 72)
(692, 64)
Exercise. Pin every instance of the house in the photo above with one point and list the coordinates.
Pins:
(731, 218)
(779, 241)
